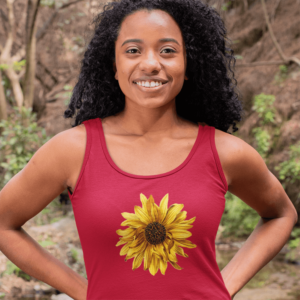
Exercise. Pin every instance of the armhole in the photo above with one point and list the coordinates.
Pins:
(217, 158)
(85, 159)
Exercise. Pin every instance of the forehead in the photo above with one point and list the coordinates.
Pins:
(149, 24)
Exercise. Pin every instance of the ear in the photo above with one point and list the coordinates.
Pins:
(115, 70)
(185, 77)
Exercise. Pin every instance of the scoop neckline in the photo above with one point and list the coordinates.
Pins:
(112, 163)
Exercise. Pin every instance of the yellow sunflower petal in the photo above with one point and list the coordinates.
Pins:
(180, 234)
(137, 241)
(159, 213)
(180, 217)
(166, 251)
(129, 256)
(127, 239)
(129, 216)
(154, 213)
(172, 256)
(127, 232)
(150, 202)
(163, 206)
(135, 250)
(175, 266)
(133, 223)
(148, 256)
(180, 251)
(173, 210)
(163, 266)
(159, 249)
(190, 221)
(124, 250)
(137, 260)
(144, 202)
(121, 242)
(185, 243)
(154, 265)
(145, 218)
(178, 226)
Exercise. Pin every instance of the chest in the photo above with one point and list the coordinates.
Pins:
(140, 157)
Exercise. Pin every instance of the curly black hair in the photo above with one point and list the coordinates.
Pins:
(210, 95)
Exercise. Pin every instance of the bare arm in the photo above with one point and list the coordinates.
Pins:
(47, 175)
(249, 179)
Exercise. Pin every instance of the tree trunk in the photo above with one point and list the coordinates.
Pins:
(15, 84)
(32, 9)
(3, 111)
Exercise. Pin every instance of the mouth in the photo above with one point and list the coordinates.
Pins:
(151, 88)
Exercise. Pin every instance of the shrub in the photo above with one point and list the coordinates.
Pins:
(239, 219)
(20, 139)
(289, 170)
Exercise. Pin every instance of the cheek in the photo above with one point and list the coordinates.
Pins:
(176, 69)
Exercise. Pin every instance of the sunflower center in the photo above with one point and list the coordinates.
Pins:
(155, 233)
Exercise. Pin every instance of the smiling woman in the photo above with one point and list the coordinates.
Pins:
(181, 40)
(149, 152)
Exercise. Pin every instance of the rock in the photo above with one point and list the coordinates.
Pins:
(61, 297)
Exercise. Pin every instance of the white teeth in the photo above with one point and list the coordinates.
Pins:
(149, 84)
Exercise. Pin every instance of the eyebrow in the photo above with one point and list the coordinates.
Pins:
(141, 41)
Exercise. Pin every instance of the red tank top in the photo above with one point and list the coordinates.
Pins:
(150, 237)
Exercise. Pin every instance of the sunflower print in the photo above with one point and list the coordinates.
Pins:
(155, 235)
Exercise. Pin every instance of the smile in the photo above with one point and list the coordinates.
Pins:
(150, 88)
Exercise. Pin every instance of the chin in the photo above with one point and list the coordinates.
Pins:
(152, 102)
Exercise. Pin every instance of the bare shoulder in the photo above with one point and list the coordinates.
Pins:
(237, 157)
(70, 148)
(62, 155)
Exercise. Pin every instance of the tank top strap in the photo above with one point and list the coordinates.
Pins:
(92, 143)
(207, 155)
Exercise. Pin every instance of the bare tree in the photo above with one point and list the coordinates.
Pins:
(32, 9)
(7, 59)
(3, 112)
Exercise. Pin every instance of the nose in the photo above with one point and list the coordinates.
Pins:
(150, 63)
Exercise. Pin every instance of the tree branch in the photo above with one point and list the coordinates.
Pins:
(271, 32)
(41, 32)
(275, 10)
(261, 63)
(279, 50)
(11, 31)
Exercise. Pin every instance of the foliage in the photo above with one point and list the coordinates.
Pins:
(20, 139)
(46, 243)
(226, 6)
(295, 242)
(239, 219)
(281, 75)
(12, 268)
(17, 65)
(289, 170)
(74, 254)
(263, 105)
(263, 141)
(49, 3)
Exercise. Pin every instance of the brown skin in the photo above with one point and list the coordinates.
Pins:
(146, 138)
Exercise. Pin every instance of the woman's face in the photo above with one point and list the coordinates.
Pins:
(150, 49)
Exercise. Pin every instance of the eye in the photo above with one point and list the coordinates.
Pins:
(131, 50)
(172, 51)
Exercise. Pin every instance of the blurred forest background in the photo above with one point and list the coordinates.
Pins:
(41, 45)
